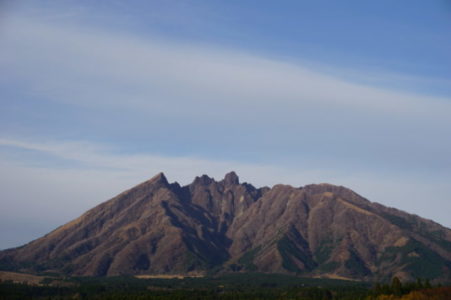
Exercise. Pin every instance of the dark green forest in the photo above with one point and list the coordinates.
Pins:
(233, 286)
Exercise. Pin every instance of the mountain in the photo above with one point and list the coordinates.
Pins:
(212, 226)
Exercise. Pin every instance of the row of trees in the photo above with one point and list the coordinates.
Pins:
(419, 290)
(397, 288)
(132, 289)
(437, 293)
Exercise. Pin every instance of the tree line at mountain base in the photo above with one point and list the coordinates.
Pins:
(243, 286)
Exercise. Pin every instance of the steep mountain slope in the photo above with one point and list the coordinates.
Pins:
(209, 226)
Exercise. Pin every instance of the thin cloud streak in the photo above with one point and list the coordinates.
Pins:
(140, 167)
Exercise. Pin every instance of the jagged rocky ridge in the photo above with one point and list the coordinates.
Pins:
(207, 226)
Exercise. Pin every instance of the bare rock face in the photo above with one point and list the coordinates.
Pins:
(227, 226)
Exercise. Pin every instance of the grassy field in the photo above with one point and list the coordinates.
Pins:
(21, 278)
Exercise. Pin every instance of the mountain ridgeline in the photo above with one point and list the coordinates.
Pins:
(210, 227)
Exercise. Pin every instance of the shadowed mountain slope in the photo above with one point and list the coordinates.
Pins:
(227, 226)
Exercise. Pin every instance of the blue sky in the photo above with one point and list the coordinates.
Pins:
(97, 96)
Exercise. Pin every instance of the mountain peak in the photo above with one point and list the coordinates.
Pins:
(203, 180)
(159, 178)
(231, 178)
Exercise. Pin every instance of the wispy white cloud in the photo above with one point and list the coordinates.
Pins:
(93, 67)
(139, 167)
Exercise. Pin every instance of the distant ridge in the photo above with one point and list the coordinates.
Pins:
(213, 226)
